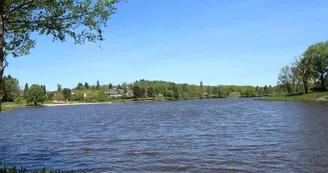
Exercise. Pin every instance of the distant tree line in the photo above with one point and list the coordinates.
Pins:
(140, 89)
(151, 89)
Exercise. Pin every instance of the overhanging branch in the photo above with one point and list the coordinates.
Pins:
(18, 7)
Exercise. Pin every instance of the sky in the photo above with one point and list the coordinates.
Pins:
(239, 42)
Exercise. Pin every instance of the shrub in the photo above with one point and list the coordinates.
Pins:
(18, 101)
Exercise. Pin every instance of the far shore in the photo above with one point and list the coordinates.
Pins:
(73, 104)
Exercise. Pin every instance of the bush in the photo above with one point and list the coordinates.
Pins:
(18, 101)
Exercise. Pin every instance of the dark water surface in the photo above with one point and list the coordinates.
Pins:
(227, 135)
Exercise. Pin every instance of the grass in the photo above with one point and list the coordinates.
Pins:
(6, 169)
(7, 106)
(322, 96)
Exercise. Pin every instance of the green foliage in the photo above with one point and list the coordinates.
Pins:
(10, 88)
(304, 68)
(78, 96)
(80, 86)
(307, 69)
(318, 54)
(59, 88)
(300, 97)
(81, 20)
(86, 85)
(19, 101)
(110, 86)
(98, 85)
(59, 96)
(35, 94)
(50, 95)
(285, 78)
(91, 96)
(137, 92)
(5, 169)
(266, 90)
(44, 89)
(25, 90)
(248, 92)
(67, 93)
(102, 95)
(150, 92)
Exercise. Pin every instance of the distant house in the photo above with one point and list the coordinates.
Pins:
(84, 92)
(235, 93)
(114, 93)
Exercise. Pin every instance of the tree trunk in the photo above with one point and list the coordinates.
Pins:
(322, 80)
(35, 103)
(305, 87)
(2, 54)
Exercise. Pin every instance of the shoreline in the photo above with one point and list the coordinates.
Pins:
(75, 104)
(314, 96)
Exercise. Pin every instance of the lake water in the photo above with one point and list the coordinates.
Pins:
(224, 135)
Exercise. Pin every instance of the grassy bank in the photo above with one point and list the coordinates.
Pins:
(317, 96)
(7, 106)
(5, 169)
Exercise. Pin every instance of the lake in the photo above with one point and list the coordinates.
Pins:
(217, 135)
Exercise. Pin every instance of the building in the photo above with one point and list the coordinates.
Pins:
(84, 92)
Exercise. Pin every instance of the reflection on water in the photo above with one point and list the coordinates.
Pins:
(226, 135)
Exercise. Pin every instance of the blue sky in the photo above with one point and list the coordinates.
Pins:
(241, 42)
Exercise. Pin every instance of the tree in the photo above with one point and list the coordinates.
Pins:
(67, 93)
(51, 95)
(266, 90)
(142, 92)
(318, 53)
(98, 85)
(79, 95)
(25, 90)
(10, 89)
(304, 68)
(248, 92)
(102, 95)
(136, 91)
(86, 85)
(258, 90)
(44, 90)
(81, 20)
(150, 92)
(285, 78)
(79, 86)
(91, 96)
(177, 93)
(209, 91)
(110, 86)
(270, 89)
(59, 88)
(59, 96)
(296, 78)
(35, 94)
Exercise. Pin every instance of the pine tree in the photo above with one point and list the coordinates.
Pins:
(26, 90)
(98, 85)
(44, 89)
(86, 85)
